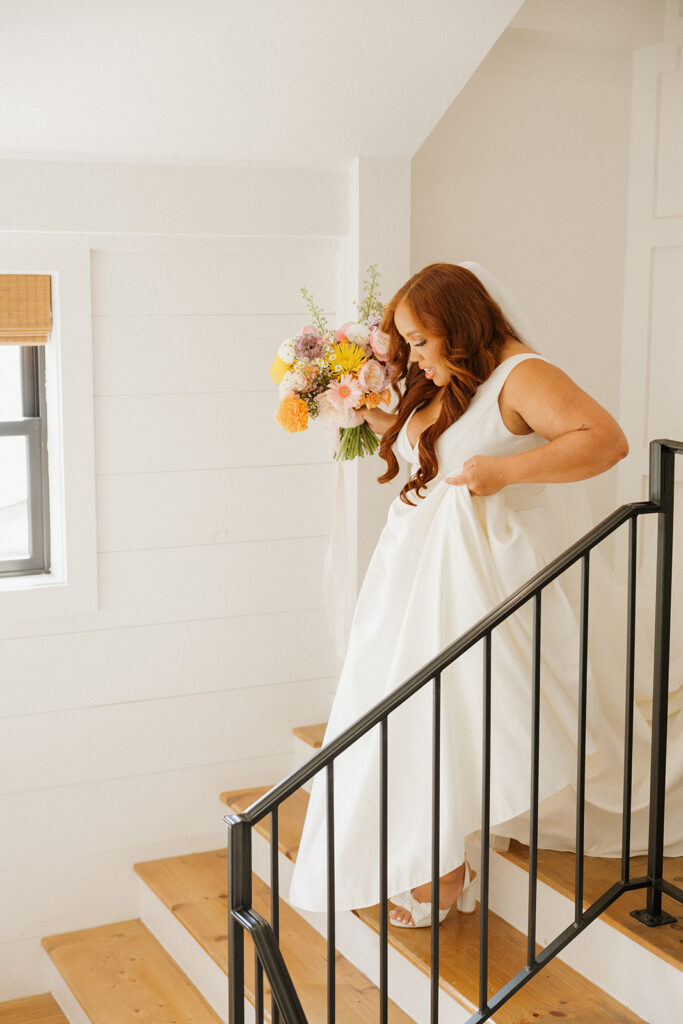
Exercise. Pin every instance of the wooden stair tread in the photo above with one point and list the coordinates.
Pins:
(194, 888)
(313, 735)
(556, 869)
(120, 973)
(556, 989)
(32, 1010)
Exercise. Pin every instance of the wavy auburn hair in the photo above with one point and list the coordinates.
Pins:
(449, 303)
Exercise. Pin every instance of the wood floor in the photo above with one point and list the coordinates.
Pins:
(34, 1010)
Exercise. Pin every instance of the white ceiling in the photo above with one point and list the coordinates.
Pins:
(267, 81)
(605, 24)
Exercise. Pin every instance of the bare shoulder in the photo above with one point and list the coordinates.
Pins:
(534, 376)
(538, 369)
(546, 399)
(530, 379)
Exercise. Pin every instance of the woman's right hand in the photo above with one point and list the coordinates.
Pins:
(378, 419)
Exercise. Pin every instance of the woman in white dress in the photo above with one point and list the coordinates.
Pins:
(486, 423)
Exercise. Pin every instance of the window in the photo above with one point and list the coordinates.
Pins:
(24, 491)
(50, 373)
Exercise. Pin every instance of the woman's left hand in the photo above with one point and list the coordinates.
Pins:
(481, 474)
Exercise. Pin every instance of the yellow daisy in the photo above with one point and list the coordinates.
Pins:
(348, 356)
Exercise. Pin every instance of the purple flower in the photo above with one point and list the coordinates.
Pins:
(309, 346)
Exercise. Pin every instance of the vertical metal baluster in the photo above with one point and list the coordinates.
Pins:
(383, 871)
(485, 829)
(581, 739)
(331, 939)
(436, 835)
(258, 989)
(274, 897)
(628, 712)
(535, 767)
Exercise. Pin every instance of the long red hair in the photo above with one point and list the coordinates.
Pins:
(450, 303)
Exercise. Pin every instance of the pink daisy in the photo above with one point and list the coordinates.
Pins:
(345, 394)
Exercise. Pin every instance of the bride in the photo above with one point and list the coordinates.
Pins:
(486, 423)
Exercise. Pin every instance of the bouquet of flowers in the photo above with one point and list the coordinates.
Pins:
(332, 374)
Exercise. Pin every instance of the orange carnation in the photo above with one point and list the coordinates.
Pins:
(372, 400)
(386, 396)
(292, 414)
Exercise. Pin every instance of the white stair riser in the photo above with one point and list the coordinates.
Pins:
(72, 1009)
(193, 960)
(648, 985)
(408, 986)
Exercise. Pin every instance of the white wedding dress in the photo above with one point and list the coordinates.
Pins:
(438, 568)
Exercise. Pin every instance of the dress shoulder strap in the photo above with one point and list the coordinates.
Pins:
(503, 370)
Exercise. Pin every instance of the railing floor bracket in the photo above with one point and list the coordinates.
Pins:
(653, 920)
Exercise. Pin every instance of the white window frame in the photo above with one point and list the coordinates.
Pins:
(31, 427)
(70, 587)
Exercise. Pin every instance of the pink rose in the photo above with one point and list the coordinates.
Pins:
(372, 376)
(380, 342)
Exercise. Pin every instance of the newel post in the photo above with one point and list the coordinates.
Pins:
(239, 898)
(662, 466)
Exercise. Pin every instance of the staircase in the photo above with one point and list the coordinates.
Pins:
(171, 964)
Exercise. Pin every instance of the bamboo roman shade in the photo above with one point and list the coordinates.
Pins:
(25, 309)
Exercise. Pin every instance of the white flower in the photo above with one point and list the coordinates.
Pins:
(286, 351)
(358, 334)
(292, 381)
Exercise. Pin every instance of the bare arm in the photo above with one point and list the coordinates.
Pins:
(584, 440)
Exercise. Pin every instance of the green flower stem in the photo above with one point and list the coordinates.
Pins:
(316, 313)
(357, 442)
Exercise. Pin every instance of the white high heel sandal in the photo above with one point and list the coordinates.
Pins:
(421, 913)
(467, 900)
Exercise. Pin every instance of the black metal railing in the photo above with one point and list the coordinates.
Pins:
(242, 917)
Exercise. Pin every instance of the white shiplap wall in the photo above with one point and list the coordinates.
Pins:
(119, 729)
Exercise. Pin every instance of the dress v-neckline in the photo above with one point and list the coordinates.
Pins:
(417, 439)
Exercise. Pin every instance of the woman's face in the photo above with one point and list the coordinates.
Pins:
(425, 349)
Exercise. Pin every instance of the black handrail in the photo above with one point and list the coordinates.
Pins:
(242, 917)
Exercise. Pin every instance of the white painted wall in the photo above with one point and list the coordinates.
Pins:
(381, 208)
(527, 174)
(119, 728)
(652, 349)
